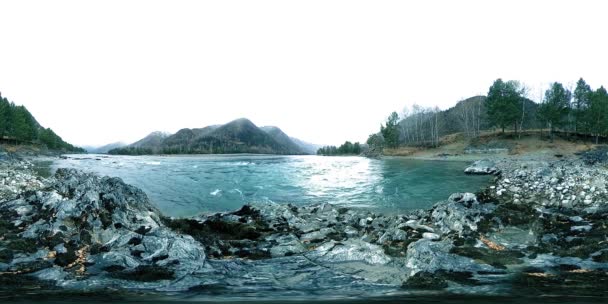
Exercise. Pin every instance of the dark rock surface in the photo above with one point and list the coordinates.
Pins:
(597, 155)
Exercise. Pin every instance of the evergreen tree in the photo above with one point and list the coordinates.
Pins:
(581, 95)
(347, 148)
(375, 142)
(390, 131)
(50, 139)
(24, 124)
(503, 103)
(357, 148)
(597, 114)
(555, 107)
(4, 116)
(16, 122)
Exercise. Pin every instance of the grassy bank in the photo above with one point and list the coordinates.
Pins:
(529, 144)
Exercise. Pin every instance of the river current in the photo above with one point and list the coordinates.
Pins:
(189, 185)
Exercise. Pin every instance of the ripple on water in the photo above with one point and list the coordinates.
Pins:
(387, 185)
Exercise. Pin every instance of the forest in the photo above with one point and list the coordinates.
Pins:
(582, 112)
(18, 126)
(346, 148)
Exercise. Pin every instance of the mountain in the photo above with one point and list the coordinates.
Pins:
(283, 139)
(105, 148)
(18, 126)
(151, 141)
(307, 147)
(238, 136)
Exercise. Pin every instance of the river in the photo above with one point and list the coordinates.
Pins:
(189, 185)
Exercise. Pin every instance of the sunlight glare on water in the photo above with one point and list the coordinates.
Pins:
(188, 185)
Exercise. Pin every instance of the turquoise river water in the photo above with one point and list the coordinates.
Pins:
(187, 185)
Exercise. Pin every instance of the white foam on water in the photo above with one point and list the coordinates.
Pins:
(215, 192)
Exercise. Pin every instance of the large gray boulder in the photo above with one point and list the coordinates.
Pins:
(460, 214)
(88, 229)
(428, 256)
(482, 167)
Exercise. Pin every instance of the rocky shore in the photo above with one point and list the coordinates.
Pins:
(540, 228)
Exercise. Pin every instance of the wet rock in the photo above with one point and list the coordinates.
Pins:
(495, 258)
(482, 167)
(317, 236)
(577, 282)
(414, 224)
(69, 217)
(83, 231)
(460, 214)
(287, 245)
(147, 273)
(348, 251)
(393, 235)
(431, 236)
(51, 274)
(429, 256)
(425, 280)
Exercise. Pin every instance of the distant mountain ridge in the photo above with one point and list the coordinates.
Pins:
(238, 136)
(105, 148)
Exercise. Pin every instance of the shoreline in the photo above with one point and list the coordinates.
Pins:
(474, 239)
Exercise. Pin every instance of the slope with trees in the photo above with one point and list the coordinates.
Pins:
(582, 113)
(18, 126)
(238, 136)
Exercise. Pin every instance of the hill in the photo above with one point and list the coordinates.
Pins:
(18, 126)
(105, 148)
(424, 126)
(151, 141)
(238, 136)
(307, 147)
(284, 139)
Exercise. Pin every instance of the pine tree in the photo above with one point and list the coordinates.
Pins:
(581, 96)
(4, 116)
(390, 131)
(555, 107)
(597, 114)
(503, 103)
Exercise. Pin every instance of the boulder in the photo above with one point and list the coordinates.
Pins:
(96, 226)
(482, 167)
(460, 214)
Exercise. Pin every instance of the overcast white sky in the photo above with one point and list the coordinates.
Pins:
(324, 71)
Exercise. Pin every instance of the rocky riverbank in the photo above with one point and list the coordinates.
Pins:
(540, 228)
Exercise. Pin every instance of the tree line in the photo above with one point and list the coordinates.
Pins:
(18, 125)
(583, 111)
(346, 148)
